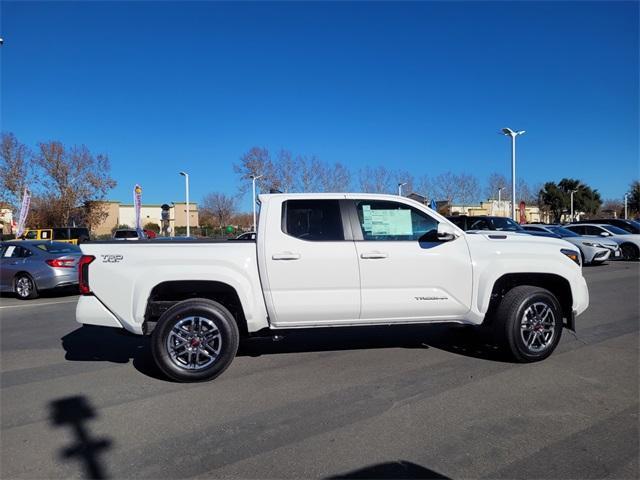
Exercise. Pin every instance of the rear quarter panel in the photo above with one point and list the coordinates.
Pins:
(124, 273)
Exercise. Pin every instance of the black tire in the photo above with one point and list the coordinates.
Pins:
(527, 299)
(218, 328)
(25, 287)
(629, 251)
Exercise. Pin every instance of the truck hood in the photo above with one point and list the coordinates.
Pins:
(520, 238)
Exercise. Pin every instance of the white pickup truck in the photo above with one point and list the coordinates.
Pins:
(330, 260)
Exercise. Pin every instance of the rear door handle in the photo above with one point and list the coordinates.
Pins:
(374, 255)
(285, 256)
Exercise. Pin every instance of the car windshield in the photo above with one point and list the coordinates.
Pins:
(563, 232)
(58, 248)
(614, 229)
(506, 224)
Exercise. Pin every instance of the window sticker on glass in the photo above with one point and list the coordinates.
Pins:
(9, 251)
(387, 222)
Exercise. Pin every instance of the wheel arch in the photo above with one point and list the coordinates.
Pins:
(166, 294)
(556, 284)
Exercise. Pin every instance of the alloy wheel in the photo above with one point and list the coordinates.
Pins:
(194, 343)
(537, 327)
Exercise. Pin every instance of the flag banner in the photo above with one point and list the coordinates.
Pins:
(137, 197)
(24, 211)
(523, 217)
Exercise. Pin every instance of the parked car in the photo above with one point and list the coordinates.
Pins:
(31, 266)
(630, 226)
(330, 260)
(128, 234)
(74, 235)
(485, 222)
(629, 242)
(592, 251)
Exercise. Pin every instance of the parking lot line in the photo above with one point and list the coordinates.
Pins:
(37, 304)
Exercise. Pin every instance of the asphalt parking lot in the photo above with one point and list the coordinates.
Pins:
(419, 402)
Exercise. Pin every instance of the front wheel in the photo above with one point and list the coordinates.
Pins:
(629, 251)
(195, 340)
(529, 323)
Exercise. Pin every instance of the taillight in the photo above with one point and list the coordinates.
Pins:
(61, 262)
(83, 274)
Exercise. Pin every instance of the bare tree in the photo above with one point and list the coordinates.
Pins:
(257, 161)
(307, 173)
(220, 207)
(423, 186)
(15, 169)
(376, 180)
(72, 177)
(495, 182)
(284, 172)
(334, 178)
(468, 188)
(446, 186)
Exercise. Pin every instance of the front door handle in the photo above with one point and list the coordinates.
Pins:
(285, 256)
(374, 255)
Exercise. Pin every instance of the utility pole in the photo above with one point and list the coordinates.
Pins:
(253, 185)
(513, 134)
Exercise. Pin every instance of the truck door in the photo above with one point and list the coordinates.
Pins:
(406, 274)
(311, 262)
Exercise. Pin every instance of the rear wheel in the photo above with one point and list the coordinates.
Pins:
(629, 251)
(25, 287)
(529, 323)
(195, 340)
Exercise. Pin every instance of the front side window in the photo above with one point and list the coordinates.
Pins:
(313, 220)
(479, 224)
(391, 221)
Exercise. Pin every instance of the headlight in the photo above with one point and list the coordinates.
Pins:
(591, 244)
(572, 254)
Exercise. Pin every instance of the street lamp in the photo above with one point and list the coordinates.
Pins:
(626, 195)
(500, 199)
(510, 133)
(186, 187)
(400, 185)
(253, 184)
(572, 192)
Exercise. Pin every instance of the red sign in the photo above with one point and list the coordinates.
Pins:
(523, 218)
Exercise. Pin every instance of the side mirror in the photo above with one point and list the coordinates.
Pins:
(446, 232)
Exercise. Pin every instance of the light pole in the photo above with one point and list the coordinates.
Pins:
(253, 185)
(400, 185)
(626, 195)
(186, 187)
(572, 192)
(510, 133)
(500, 199)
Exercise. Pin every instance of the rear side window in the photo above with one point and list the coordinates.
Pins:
(60, 234)
(479, 224)
(126, 234)
(314, 220)
(391, 221)
(459, 222)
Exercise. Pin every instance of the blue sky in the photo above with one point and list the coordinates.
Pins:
(425, 87)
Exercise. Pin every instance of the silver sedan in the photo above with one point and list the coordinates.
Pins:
(629, 242)
(593, 250)
(28, 267)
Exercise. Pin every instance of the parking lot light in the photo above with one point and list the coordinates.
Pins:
(572, 192)
(400, 185)
(513, 134)
(626, 196)
(186, 185)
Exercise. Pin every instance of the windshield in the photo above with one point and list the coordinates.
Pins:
(563, 232)
(614, 229)
(58, 248)
(506, 224)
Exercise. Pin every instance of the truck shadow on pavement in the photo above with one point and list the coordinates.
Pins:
(391, 470)
(74, 413)
(92, 343)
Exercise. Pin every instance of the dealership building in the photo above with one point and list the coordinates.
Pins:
(124, 214)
